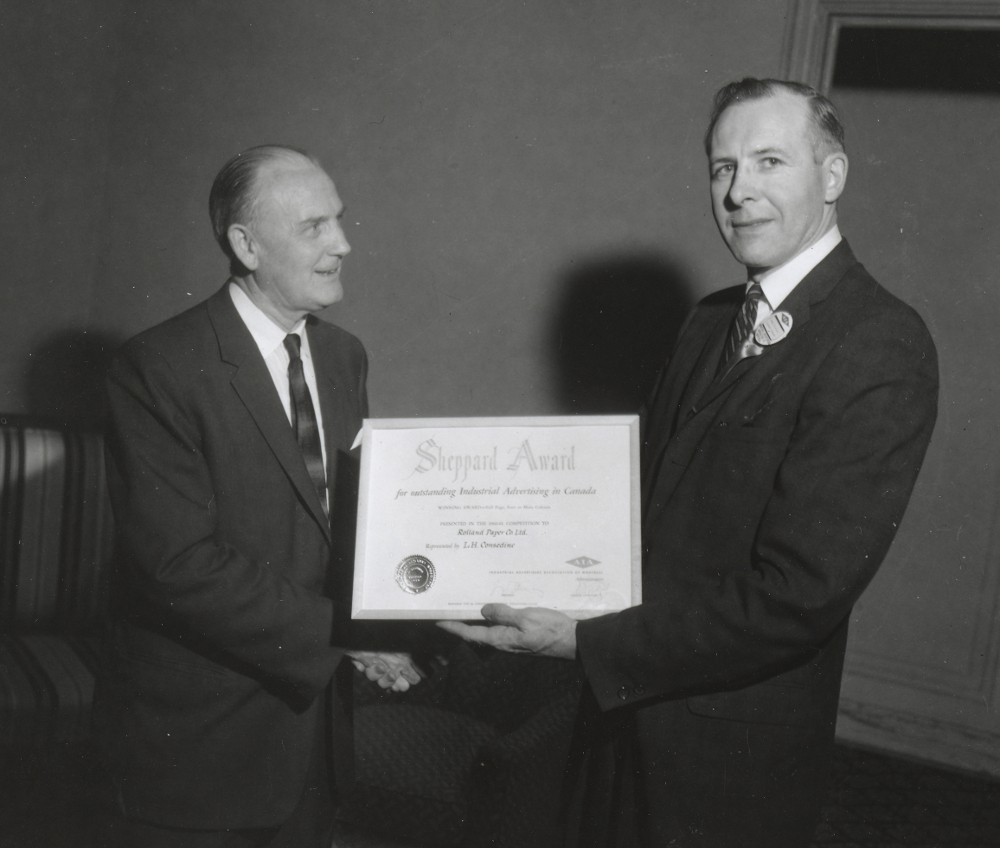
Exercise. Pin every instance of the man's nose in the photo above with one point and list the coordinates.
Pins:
(741, 188)
(338, 245)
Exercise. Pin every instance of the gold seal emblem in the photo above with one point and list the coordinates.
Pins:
(415, 574)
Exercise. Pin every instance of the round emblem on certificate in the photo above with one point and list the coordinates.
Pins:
(773, 328)
(415, 574)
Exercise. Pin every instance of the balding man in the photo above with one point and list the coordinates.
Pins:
(230, 425)
(781, 447)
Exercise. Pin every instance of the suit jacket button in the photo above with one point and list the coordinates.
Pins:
(623, 693)
(723, 423)
(640, 690)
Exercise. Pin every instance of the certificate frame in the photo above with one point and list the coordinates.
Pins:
(382, 559)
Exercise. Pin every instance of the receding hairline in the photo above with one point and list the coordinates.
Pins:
(823, 121)
(282, 160)
(236, 191)
(286, 158)
(746, 103)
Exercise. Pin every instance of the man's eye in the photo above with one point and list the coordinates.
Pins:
(771, 162)
(722, 170)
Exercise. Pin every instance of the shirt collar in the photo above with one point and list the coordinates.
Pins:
(779, 282)
(268, 335)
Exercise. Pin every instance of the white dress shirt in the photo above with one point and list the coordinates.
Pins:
(270, 338)
(779, 282)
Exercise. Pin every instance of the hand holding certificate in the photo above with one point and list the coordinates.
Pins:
(458, 513)
(546, 632)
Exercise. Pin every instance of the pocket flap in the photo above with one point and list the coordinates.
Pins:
(765, 703)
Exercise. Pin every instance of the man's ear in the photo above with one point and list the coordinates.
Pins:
(244, 246)
(835, 169)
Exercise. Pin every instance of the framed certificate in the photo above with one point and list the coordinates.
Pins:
(455, 513)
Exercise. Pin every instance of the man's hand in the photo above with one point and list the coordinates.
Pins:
(535, 630)
(391, 671)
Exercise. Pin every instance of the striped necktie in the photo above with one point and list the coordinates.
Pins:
(742, 326)
(304, 419)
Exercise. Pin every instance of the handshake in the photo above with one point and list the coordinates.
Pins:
(391, 670)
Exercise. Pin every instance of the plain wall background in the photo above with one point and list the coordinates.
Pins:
(526, 192)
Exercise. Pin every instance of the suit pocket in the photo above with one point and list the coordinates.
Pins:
(148, 656)
(765, 703)
(186, 695)
(178, 667)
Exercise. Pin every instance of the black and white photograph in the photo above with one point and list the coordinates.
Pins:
(499, 424)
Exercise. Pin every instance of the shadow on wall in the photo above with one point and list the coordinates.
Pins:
(615, 322)
(64, 382)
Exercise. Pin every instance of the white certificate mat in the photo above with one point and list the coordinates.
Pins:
(455, 513)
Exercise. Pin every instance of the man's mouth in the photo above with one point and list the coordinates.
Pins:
(743, 225)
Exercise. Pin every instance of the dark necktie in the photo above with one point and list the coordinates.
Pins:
(304, 418)
(742, 326)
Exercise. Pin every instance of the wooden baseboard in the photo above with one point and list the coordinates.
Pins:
(919, 737)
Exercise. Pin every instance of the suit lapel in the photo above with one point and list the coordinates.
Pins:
(670, 410)
(673, 405)
(705, 386)
(252, 382)
(335, 392)
(815, 287)
(708, 366)
(333, 400)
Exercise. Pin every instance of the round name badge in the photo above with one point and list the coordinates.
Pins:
(773, 328)
(415, 574)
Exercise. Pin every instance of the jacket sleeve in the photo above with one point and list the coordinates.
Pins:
(180, 574)
(841, 479)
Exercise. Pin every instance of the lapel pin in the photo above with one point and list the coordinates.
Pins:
(773, 328)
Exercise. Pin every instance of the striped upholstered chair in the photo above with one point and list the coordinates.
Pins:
(55, 550)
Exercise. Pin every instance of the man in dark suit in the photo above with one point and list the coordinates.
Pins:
(230, 427)
(782, 443)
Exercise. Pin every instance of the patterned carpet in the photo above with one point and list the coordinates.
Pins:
(874, 801)
(877, 801)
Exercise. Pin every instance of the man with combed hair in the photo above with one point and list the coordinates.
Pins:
(782, 443)
(230, 427)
